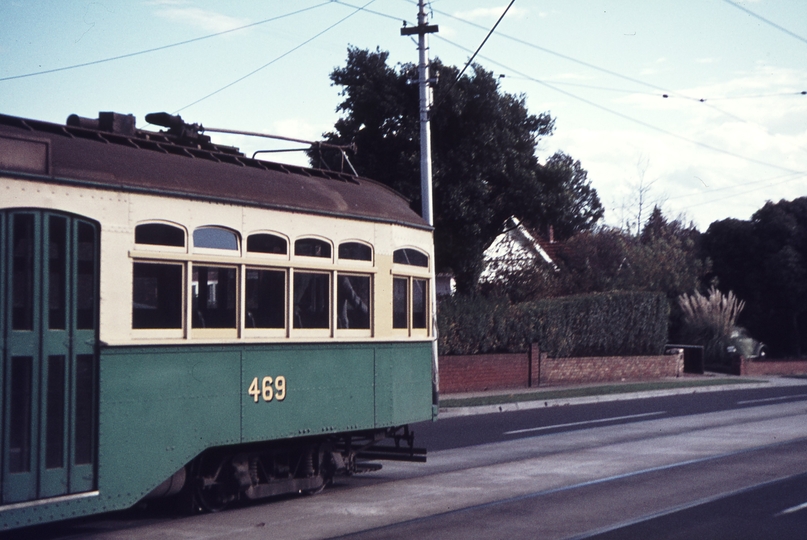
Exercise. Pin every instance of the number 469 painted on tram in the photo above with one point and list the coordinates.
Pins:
(267, 390)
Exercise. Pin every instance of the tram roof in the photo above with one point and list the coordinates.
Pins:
(155, 163)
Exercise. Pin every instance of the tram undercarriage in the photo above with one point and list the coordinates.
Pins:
(221, 476)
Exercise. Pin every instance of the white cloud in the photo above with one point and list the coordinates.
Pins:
(211, 21)
(725, 158)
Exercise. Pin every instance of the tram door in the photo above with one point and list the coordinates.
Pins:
(49, 299)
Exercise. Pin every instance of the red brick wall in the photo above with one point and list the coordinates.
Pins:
(771, 367)
(483, 372)
(609, 368)
(502, 371)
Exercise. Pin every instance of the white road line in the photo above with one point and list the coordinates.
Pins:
(792, 509)
(600, 421)
(763, 400)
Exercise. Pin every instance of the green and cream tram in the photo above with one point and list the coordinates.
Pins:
(177, 318)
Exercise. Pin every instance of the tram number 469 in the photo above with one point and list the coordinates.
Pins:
(268, 389)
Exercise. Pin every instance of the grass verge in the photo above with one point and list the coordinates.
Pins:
(538, 395)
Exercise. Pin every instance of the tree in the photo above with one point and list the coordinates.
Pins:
(484, 165)
(764, 261)
(664, 258)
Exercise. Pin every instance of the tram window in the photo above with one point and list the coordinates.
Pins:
(214, 297)
(215, 237)
(353, 301)
(400, 304)
(159, 234)
(22, 294)
(265, 298)
(86, 298)
(311, 247)
(267, 243)
(312, 306)
(19, 436)
(419, 303)
(355, 251)
(54, 422)
(157, 296)
(84, 413)
(57, 272)
(411, 257)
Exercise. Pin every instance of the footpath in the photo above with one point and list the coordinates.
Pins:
(501, 400)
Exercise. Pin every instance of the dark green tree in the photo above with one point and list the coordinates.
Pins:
(485, 169)
(764, 261)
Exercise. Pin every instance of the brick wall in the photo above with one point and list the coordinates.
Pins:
(503, 371)
(609, 368)
(483, 372)
(773, 367)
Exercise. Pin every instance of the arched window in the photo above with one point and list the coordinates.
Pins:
(355, 251)
(267, 243)
(160, 234)
(216, 238)
(312, 247)
(411, 257)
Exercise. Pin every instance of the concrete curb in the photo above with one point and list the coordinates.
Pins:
(538, 403)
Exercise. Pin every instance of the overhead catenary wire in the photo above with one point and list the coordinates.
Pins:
(627, 117)
(160, 48)
(471, 59)
(591, 103)
(766, 21)
(254, 71)
(665, 92)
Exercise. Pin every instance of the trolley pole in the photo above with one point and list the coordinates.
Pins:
(422, 30)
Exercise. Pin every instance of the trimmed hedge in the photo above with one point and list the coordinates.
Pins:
(603, 324)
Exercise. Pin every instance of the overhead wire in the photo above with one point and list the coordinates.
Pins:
(665, 92)
(470, 60)
(254, 71)
(160, 48)
(591, 103)
(789, 177)
(627, 117)
(766, 21)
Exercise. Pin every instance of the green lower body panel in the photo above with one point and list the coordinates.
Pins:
(159, 407)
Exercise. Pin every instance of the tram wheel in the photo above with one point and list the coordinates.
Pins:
(212, 486)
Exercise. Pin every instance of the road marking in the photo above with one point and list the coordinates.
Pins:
(612, 419)
(792, 509)
(780, 398)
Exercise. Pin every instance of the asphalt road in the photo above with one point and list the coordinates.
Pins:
(695, 465)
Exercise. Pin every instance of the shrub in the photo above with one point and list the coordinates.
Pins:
(604, 324)
(709, 321)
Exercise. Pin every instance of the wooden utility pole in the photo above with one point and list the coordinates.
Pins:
(423, 30)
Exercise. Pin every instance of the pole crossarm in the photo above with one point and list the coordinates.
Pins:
(419, 29)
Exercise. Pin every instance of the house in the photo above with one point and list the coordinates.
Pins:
(516, 249)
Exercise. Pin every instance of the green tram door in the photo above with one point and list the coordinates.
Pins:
(48, 314)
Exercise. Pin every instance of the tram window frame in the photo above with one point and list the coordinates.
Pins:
(213, 326)
(417, 323)
(175, 288)
(411, 257)
(326, 247)
(263, 236)
(353, 252)
(251, 327)
(297, 325)
(144, 230)
(217, 242)
(354, 304)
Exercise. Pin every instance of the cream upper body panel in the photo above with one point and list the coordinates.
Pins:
(120, 213)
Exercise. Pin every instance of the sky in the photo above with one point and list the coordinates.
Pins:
(730, 134)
